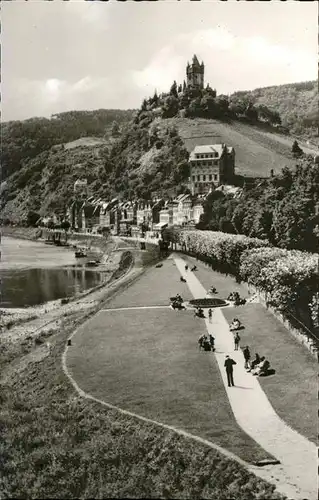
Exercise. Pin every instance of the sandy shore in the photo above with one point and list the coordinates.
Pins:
(19, 322)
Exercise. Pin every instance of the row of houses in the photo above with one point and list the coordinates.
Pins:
(120, 217)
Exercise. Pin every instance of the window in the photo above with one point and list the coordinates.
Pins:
(204, 177)
(215, 177)
(193, 178)
(198, 177)
(215, 162)
(210, 177)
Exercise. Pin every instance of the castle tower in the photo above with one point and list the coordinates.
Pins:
(195, 74)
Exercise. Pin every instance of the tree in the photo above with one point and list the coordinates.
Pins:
(296, 150)
(173, 90)
(155, 99)
(65, 225)
(251, 112)
(222, 104)
(170, 107)
(209, 91)
(32, 218)
(115, 130)
(294, 222)
(237, 107)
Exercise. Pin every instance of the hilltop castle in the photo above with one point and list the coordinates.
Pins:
(195, 74)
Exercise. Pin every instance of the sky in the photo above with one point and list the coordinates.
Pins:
(76, 55)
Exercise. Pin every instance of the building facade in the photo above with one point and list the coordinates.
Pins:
(211, 166)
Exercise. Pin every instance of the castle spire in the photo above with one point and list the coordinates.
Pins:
(195, 60)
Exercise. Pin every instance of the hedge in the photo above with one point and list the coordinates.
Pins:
(290, 278)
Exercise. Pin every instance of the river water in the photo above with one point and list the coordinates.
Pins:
(33, 273)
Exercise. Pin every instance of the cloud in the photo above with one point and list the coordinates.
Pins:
(161, 71)
(53, 95)
(231, 62)
(214, 38)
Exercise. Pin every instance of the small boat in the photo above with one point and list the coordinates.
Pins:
(92, 263)
(79, 254)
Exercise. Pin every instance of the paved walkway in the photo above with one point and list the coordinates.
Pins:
(253, 411)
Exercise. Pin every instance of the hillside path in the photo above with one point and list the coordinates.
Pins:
(253, 411)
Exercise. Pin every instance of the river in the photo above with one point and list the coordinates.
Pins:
(33, 273)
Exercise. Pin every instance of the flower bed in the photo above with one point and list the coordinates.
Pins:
(208, 302)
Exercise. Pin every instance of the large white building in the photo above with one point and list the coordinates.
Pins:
(211, 166)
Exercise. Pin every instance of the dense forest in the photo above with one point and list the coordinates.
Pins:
(283, 209)
(296, 103)
(138, 161)
(23, 140)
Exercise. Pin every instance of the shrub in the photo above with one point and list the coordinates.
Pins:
(221, 250)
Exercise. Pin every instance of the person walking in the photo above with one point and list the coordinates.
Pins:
(236, 341)
(229, 362)
(210, 314)
(246, 353)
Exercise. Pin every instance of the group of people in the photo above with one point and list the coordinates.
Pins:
(177, 302)
(206, 343)
(194, 268)
(212, 290)
(259, 365)
(199, 312)
(236, 299)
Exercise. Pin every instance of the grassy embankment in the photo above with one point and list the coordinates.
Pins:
(55, 444)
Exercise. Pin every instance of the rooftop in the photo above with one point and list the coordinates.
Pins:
(207, 149)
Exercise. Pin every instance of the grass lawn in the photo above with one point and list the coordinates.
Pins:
(155, 287)
(292, 390)
(56, 444)
(224, 284)
(147, 361)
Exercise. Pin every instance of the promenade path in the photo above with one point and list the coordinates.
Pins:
(253, 411)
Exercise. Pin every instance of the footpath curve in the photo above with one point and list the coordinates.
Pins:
(253, 411)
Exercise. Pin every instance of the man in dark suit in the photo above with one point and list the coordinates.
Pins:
(229, 362)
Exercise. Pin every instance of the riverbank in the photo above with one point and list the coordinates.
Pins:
(21, 328)
(96, 247)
